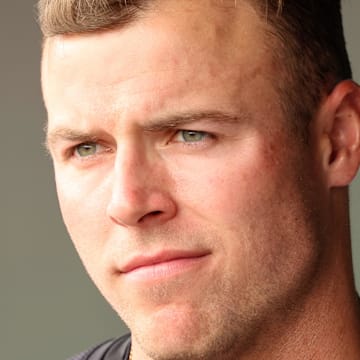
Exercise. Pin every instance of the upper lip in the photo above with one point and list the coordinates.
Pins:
(160, 257)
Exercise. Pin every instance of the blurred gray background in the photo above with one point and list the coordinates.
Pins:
(49, 307)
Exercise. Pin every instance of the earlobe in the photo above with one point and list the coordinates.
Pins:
(343, 132)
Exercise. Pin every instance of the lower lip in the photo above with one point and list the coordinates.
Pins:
(164, 270)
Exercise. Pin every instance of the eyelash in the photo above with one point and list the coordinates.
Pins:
(73, 151)
(183, 132)
(205, 138)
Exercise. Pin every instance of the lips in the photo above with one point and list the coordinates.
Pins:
(164, 258)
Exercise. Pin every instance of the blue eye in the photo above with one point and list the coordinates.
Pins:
(86, 149)
(191, 136)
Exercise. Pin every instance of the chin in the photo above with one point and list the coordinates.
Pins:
(174, 334)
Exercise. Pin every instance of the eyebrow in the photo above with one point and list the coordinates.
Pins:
(182, 119)
(67, 134)
(156, 125)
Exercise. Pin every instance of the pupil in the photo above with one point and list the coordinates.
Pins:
(86, 149)
(192, 135)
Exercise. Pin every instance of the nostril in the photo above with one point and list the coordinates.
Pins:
(151, 215)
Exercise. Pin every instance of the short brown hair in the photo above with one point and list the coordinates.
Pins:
(311, 49)
(306, 40)
(83, 16)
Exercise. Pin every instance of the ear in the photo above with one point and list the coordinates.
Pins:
(339, 121)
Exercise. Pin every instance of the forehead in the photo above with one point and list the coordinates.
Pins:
(212, 26)
(185, 41)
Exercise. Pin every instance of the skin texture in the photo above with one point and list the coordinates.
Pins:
(241, 190)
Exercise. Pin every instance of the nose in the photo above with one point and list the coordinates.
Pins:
(139, 195)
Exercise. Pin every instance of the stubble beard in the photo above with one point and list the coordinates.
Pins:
(223, 333)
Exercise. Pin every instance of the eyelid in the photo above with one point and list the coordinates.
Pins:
(71, 151)
(206, 134)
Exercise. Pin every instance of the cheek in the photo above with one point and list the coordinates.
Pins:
(229, 184)
(83, 207)
(254, 199)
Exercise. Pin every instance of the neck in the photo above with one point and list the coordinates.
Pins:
(325, 327)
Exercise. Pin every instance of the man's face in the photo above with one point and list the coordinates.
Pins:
(179, 180)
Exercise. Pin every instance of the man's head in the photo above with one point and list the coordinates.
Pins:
(202, 216)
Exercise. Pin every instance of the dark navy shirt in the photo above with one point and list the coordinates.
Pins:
(118, 349)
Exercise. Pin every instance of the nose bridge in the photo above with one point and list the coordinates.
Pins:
(129, 176)
(138, 195)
